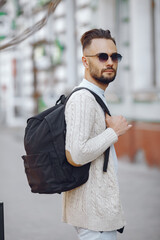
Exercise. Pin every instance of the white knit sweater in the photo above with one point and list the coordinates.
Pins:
(96, 204)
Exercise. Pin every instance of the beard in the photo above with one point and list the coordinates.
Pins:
(100, 77)
(104, 80)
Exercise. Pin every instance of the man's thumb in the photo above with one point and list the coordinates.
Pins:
(107, 116)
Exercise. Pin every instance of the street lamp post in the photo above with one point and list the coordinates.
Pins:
(1, 222)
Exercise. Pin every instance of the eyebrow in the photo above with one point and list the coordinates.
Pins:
(100, 53)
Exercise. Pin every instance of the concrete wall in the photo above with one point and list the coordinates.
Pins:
(143, 138)
(141, 44)
(106, 15)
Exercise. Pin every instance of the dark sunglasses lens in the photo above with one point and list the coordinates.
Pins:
(116, 57)
(103, 57)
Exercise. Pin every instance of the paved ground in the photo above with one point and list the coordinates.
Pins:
(38, 217)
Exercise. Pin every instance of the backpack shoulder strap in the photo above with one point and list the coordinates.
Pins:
(105, 109)
(98, 99)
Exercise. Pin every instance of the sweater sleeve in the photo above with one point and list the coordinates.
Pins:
(80, 119)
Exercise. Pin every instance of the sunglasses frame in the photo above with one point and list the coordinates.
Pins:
(119, 57)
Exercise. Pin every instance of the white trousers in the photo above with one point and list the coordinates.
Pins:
(86, 234)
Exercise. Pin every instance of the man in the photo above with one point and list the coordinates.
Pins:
(94, 208)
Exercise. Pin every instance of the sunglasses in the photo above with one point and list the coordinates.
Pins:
(103, 57)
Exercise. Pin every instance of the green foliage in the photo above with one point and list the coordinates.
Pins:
(44, 2)
(2, 37)
(3, 13)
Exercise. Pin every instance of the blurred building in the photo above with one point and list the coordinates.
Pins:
(35, 72)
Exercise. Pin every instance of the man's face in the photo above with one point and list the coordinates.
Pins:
(101, 71)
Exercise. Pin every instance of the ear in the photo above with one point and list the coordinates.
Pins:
(85, 62)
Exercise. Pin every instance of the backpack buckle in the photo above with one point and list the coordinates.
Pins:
(61, 99)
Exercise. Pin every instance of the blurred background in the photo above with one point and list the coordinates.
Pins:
(40, 59)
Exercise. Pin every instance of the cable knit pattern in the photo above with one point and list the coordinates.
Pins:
(96, 204)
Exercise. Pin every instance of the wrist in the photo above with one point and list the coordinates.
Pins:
(114, 133)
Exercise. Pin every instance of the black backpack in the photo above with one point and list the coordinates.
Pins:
(46, 166)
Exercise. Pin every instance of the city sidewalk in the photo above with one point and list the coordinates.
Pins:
(31, 216)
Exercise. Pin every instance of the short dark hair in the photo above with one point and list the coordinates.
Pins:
(95, 33)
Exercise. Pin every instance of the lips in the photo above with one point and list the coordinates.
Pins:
(109, 70)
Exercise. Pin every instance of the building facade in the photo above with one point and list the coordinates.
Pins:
(36, 71)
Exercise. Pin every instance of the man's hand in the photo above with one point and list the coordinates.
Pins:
(118, 123)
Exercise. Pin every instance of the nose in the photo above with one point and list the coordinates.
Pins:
(109, 62)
